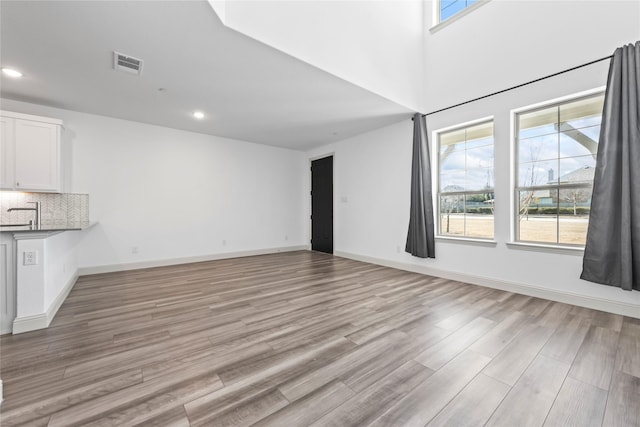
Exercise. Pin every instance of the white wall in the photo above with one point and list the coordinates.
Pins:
(373, 172)
(387, 47)
(377, 45)
(174, 194)
(508, 42)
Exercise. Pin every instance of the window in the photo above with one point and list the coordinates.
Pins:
(465, 170)
(448, 8)
(556, 150)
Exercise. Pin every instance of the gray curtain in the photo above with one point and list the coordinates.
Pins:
(420, 238)
(612, 251)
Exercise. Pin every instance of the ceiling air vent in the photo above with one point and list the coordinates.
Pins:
(127, 63)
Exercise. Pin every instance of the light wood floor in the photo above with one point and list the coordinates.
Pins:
(302, 338)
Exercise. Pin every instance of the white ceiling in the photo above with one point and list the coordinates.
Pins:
(249, 91)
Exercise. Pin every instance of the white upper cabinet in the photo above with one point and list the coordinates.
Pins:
(30, 150)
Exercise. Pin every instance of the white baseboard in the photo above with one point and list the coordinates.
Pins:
(611, 306)
(183, 260)
(30, 323)
(61, 297)
(43, 320)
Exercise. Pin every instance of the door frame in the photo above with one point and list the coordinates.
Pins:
(333, 194)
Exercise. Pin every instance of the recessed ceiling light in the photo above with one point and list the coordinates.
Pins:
(198, 114)
(11, 72)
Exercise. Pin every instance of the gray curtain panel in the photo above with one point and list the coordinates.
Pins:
(612, 251)
(420, 238)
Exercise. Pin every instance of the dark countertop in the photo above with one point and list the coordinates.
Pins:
(69, 226)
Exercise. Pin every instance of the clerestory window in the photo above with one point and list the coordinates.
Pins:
(448, 8)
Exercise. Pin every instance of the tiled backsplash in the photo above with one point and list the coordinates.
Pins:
(55, 209)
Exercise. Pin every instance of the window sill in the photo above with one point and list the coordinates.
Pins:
(467, 240)
(537, 247)
(440, 25)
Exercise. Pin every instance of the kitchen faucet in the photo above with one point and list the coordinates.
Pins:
(35, 222)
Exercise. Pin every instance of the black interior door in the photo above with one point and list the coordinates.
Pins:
(322, 205)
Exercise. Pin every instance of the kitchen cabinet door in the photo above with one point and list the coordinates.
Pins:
(37, 155)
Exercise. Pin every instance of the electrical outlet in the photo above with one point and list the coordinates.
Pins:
(286, 237)
(30, 258)
(134, 249)
(224, 243)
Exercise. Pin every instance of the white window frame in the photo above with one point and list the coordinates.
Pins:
(435, 136)
(514, 196)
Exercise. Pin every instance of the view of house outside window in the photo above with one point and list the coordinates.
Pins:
(556, 150)
(448, 8)
(466, 181)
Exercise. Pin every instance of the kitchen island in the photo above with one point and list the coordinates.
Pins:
(40, 268)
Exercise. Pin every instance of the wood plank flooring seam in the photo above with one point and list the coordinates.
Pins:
(499, 403)
(450, 400)
(554, 400)
(465, 410)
